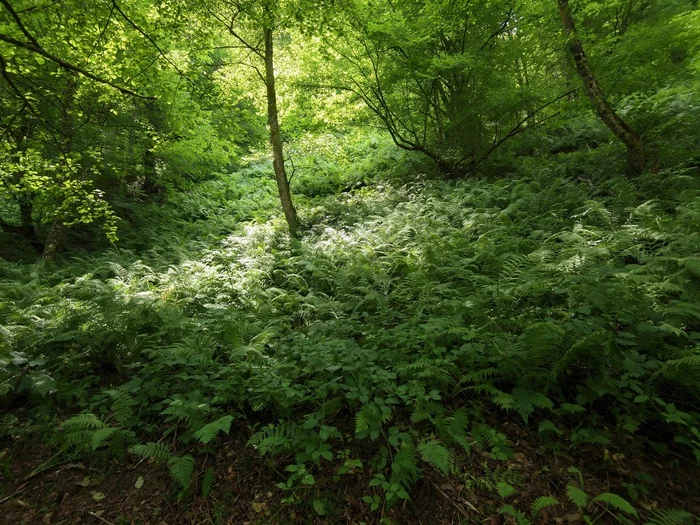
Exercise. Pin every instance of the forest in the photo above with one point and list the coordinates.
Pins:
(349, 261)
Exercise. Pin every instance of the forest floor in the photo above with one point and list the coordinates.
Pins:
(129, 491)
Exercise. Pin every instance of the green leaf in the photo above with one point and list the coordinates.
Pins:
(577, 496)
(542, 503)
(182, 470)
(209, 431)
(615, 501)
(208, 481)
(505, 490)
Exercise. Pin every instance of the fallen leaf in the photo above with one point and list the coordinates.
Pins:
(98, 496)
(139, 482)
(85, 482)
(258, 507)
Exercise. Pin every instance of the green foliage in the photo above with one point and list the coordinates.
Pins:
(209, 431)
(615, 501)
(413, 315)
(157, 451)
(182, 470)
(505, 490)
(435, 454)
(670, 517)
(577, 496)
(542, 503)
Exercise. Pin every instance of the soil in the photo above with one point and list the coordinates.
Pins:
(35, 489)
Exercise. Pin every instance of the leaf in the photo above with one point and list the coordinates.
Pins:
(505, 490)
(208, 481)
(98, 496)
(670, 517)
(182, 470)
(435, 454)
(158, 451)
(548, 426)
(319, 507)
(100, 436)
(577, 496)
(139, 482)
(209, 431)
(542, 503)
(615, 501)
(85, 482)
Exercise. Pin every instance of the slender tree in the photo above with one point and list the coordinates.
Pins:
(622, 130)
(246, 22)
(290, 212)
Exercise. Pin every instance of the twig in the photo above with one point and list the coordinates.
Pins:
(99, 517)
(460, 509)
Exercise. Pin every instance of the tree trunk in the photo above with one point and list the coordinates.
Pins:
(290, 212)
(57, 233)
(632, 141)
(54, 240)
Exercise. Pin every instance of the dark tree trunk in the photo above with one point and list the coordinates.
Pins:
(632, 141)
(290, 212)
(57, 233)
(26, 226)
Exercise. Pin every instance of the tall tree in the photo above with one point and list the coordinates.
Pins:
(620, 128)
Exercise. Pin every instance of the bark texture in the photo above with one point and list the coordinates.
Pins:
(54, 240)
(290, 212)
(631, 140)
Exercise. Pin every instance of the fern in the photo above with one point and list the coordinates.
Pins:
(505, 490)
(616, 502)
(182, 470)
(210, 430)
(435, 454)
(158, 451)
(670, 517)
(100, 436)
(272, 438)
(519, 516)
(542, 503)
(83, 422)
(577, 496)
(208, 480)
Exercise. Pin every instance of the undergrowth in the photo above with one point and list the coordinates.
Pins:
(405, 319)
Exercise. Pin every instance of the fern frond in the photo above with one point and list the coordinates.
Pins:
(435, 454)
(157, 451)
(100, 436)
(210, 430)
(83, 422)
(577, 496)
(182, 470)
(616, 502)
(208, 481)
(519, 516)
(542, 503)
(670, 517)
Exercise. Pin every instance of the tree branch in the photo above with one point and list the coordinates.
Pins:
(71, 67)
